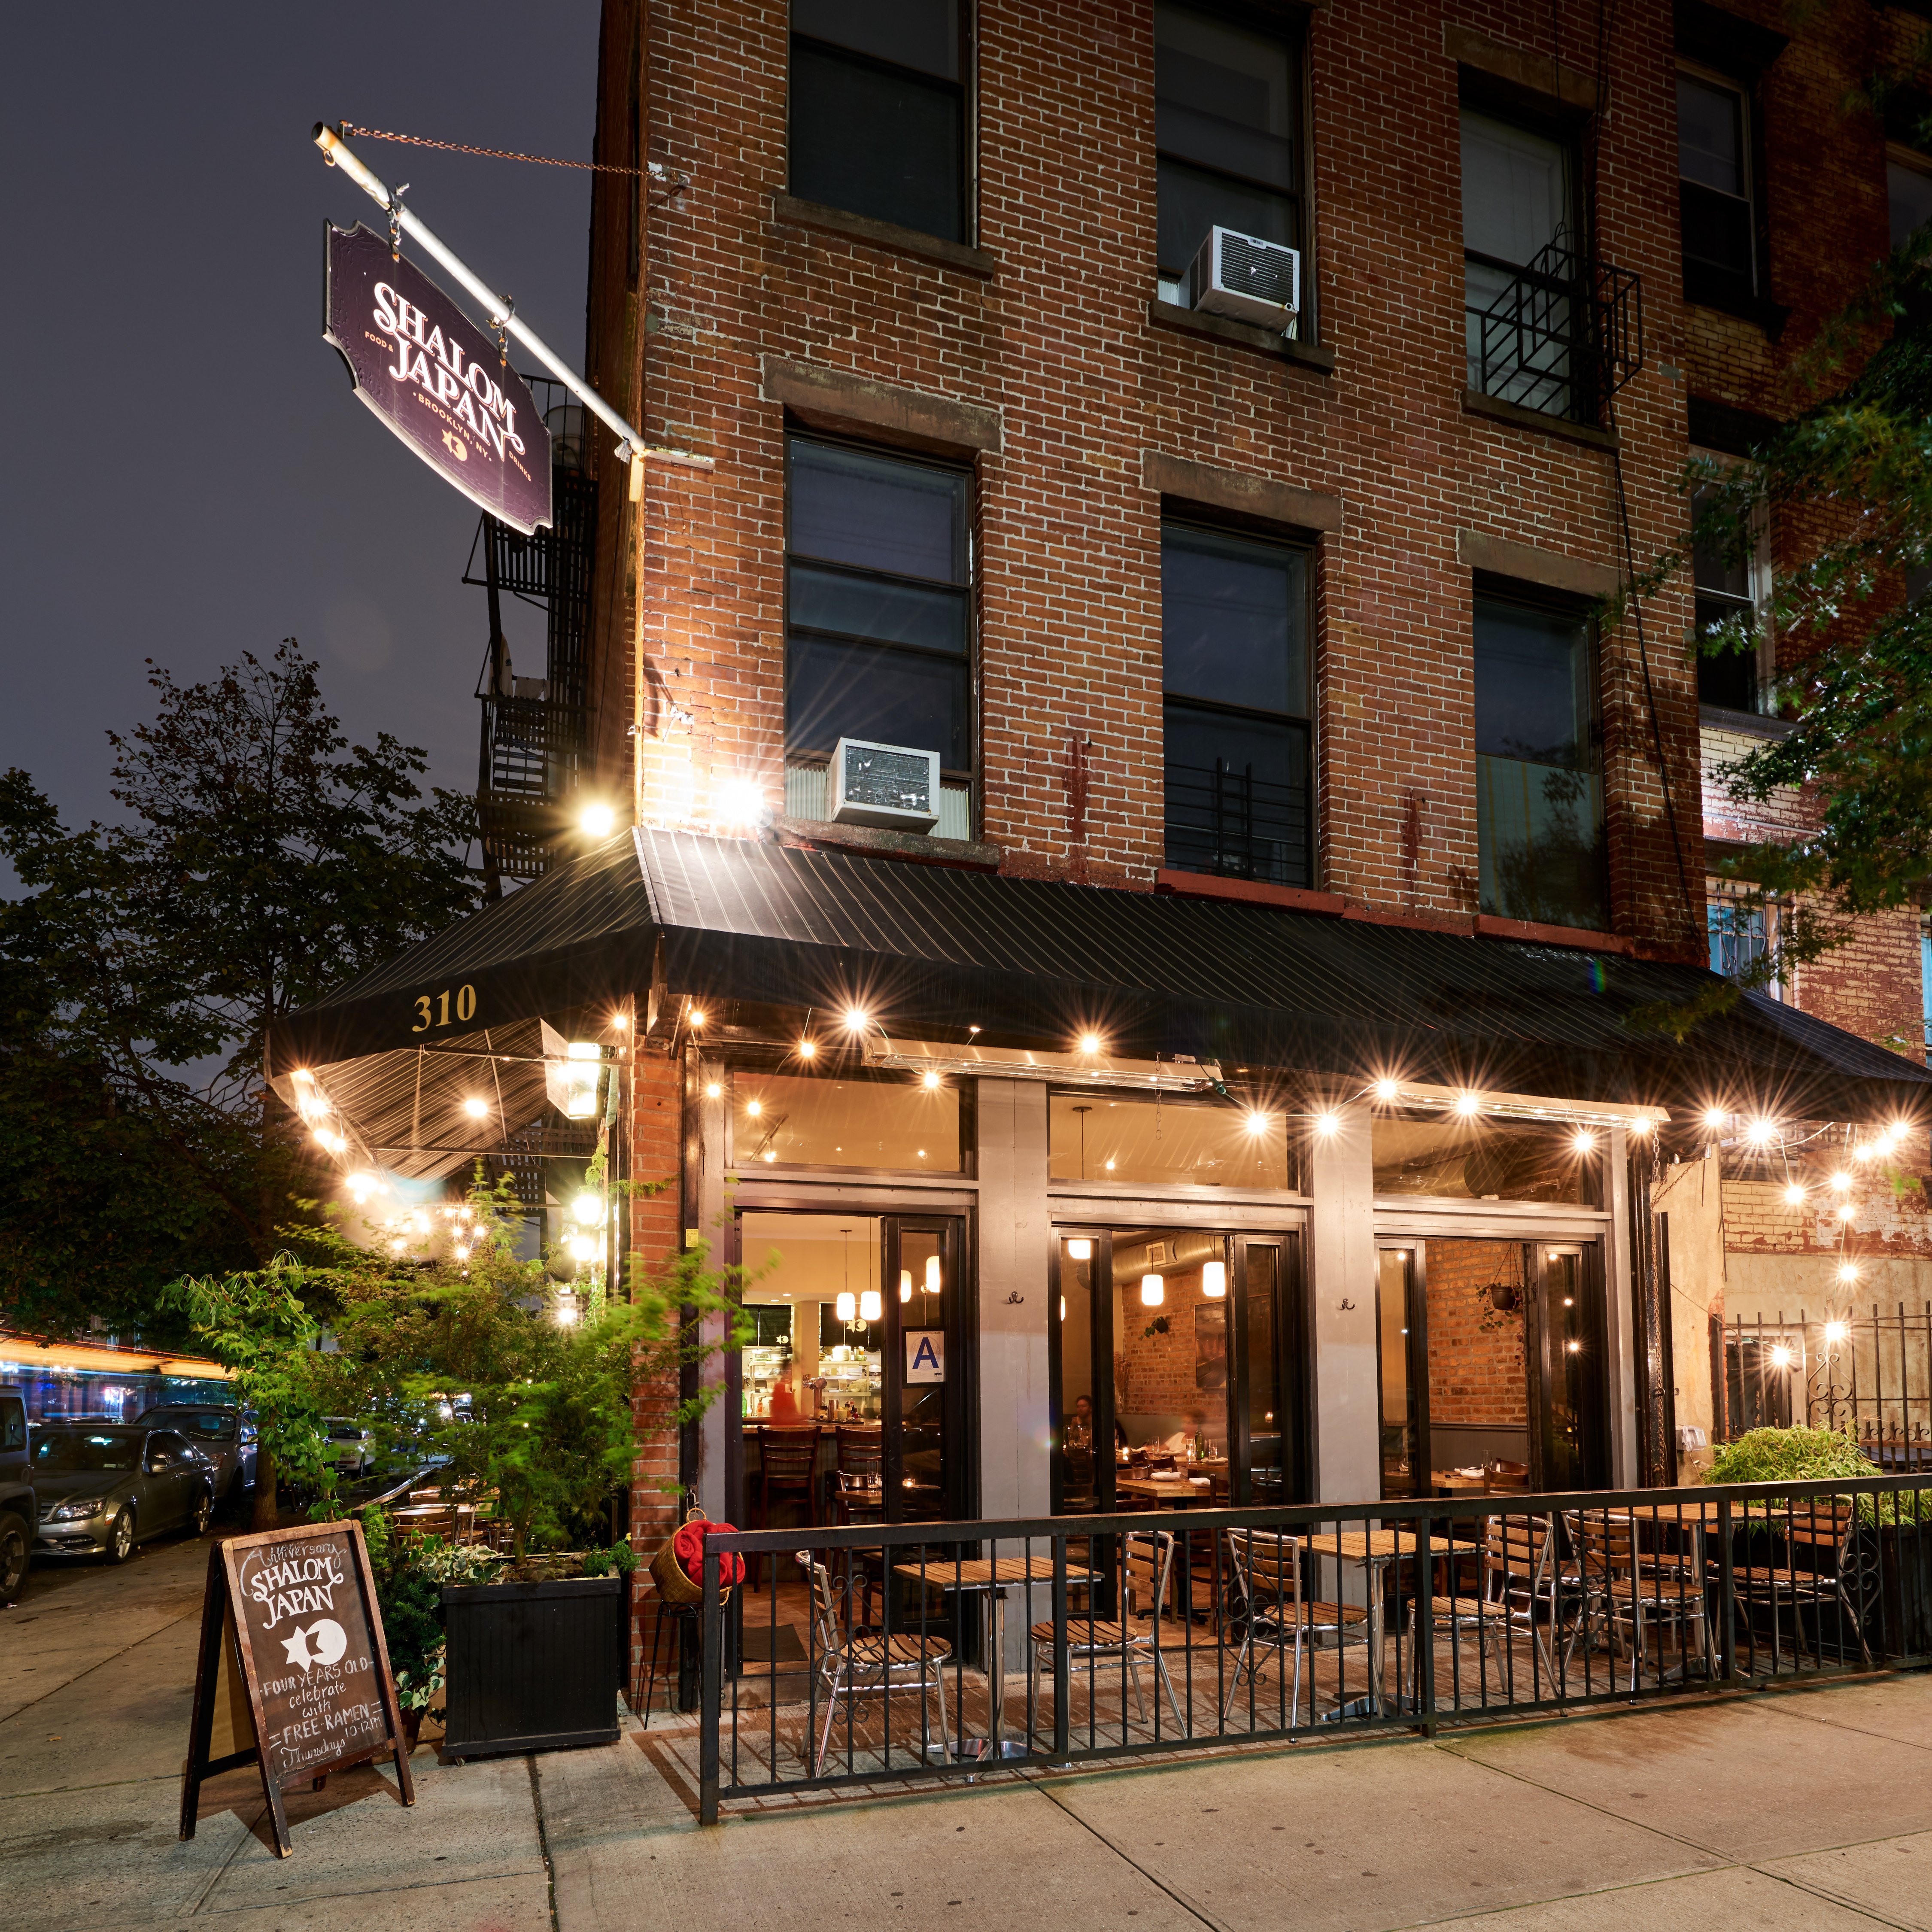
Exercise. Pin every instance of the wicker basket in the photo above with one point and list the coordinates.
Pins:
(674, 1586)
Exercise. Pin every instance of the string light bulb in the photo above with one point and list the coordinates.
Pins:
(1090, 1042)
(1584, 1141)
(1327, 1123)
(1715, 1117)
(929, 1080)
(1794, 1196)
(589, 1209)
(1781, 1356)
(599, 821)
(1468, 1105)
(1837, 1331)
(476, 1106)
(1386, 1090)
(807, 1049)
(1840, 1181)
(856, 1019)
(696, 1016)
(713, 1089)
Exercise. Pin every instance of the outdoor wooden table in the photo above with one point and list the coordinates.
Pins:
(1371, 1550)
(990, 1578)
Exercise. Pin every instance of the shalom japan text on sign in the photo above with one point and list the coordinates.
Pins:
(437, 380)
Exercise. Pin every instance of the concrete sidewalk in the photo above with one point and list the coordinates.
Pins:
(1795, 1810)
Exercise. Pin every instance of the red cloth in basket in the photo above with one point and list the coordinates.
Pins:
(687, 1545)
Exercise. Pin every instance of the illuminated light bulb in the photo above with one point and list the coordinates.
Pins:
(1257, 1122)
(465, 1214)
(583, 1248)
(365, 1181)
(713, 1089)
(589, 1209)
(932, 1277)
(1840, 1181)
(1586, 1142)
(476, 1107)
(302, 1074)
(1467, 1104)
(1760, 1132)
(1715, 1117)
(1386, 1090)
(905, 1284)
(807, 1049)
(741, 801)
(848, 1306)
(420, 1223)
(396, 1246)
(1847, 1212)
(1641, 1126)
(1794, 1196)
(599, 821)
(1110, 1167)
(929, 1081)
(1837, 1331)
(1781, 1356)
(566, 1313)
(1080, 1249)
(856, 1019)
(1574, 1347)
(1328, 1123)
(1090, 1042)
(1214, 1280)
(1865, 1150)
(696, 1016)
(754, 1108)
(870, 1306)
(1153, 1290)
(1063, 1308)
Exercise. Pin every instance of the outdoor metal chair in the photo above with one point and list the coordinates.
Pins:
(854, 1661)
(1269, 1609)
(1616, 1594)
(1820, 1567)
(1147, 1556)
(1514, 1565)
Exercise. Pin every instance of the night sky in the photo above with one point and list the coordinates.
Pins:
(188, 475)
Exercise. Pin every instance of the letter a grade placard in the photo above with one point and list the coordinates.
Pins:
(292, 1673)
(436, 380)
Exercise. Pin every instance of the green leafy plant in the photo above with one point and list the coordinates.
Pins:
(410, 1571)
(1801, 1455)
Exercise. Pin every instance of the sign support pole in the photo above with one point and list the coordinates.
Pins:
(631, 448)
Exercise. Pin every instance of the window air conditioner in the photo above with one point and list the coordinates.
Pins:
(1247, 279)
(890, 786)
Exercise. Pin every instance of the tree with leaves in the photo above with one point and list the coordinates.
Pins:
(260, 859)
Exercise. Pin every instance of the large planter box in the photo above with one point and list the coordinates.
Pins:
(533, 1666)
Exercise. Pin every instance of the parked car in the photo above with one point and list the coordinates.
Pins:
(350, 1447)
(222, 1432)
(17, 1512)
(103, 1487)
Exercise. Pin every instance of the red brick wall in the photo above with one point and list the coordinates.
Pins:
(1476, 1370)
(656, 1134)
(1059, 340)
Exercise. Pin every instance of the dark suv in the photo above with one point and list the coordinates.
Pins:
(17, 1512)
(222, 1434)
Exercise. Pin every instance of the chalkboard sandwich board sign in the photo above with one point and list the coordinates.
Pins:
(292, 1673)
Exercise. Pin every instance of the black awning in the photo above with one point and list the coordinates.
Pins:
(929, 949)
(581, 936)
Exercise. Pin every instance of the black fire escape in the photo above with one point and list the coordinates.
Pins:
(536, 729)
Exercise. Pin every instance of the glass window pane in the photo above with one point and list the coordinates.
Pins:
(1715, 229)
(1540, 830)
(1267, 1424)
(1728, 679)
(1076, 1472)
(1710, 135)
(869, 607)
(1091, 1137)
(792, 1120)
(921, 34)
(1224, 96)
(884, 144)
(1191, 201)
(1484, 1160)
(1909, 191)
(1236, 795)
(888, 697)
(848, 507)
(1394, 1293)
(1515, 189)
(1233, 620)
(924, 1484)
(1170, 1352)
(1532, 685)
(1714, 566)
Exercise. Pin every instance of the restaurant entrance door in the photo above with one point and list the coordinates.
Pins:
(1186, 1350)
(928, 1470)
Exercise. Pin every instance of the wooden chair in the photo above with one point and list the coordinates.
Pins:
(1146, 1558)
(853, 1661)
(787, 1468)
(1615, 1592)
(1505, 1476)
(1513, 1565)
(1818, 1534)
(1269, 1608)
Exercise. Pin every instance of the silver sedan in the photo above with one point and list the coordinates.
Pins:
(104, 1487)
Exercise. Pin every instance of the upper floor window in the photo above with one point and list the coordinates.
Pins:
(878, 110)
(1721, 578)
(1908, 191)
(1521, 317)
(877, 602)
(1740, 934)
(1228, 134)
(1235, 656)
(1539, 790)
(1715, 191)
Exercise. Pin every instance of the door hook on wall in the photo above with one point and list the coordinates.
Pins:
(1345, 1305)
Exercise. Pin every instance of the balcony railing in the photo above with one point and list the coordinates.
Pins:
(1564, 335)
(875, 1651)
(1222, 819)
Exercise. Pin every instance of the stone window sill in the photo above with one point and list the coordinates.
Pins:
(1250, 891)
(1314, 355)
(817, 832)
(793, 213)
(1475, 404)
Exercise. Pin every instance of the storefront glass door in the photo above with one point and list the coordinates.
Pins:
(928, 1476)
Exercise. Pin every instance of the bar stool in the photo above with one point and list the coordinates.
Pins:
(787, 1467)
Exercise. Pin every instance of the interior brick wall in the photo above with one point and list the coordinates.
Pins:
(1476, 1371)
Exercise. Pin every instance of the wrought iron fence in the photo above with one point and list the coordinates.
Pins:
(1868, 1375)
(873, 1652)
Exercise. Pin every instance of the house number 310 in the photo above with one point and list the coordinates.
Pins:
(434, 1009)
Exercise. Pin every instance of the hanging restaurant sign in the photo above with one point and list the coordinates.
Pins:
(438, 381)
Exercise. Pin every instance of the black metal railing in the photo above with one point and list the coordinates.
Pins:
(875, 1652)
(1222, 819)
(1564, 334)
(1867, 1376)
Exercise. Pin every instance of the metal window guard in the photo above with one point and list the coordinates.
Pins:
(1563, 337)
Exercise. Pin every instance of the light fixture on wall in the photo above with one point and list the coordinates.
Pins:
(1153, 1290)
(1214, 1280)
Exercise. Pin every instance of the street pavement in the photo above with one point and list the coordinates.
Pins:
(1797, 1811)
